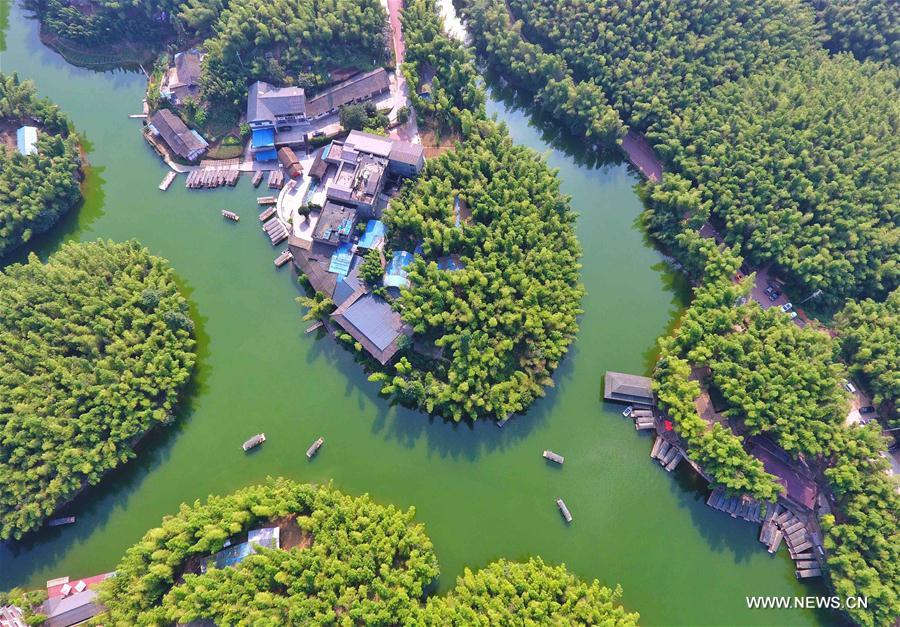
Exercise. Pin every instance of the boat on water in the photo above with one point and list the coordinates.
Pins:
(314, 448)
(554, 457)
(59, 522)
(564, 510)
(256, 440)
(627, 411)
(231, 215)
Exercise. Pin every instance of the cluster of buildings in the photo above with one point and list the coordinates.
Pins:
(354, 174)
(282, 116)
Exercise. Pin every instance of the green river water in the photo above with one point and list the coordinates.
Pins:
(482, 492)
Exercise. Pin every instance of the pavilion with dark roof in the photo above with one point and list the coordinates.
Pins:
(628, 388)
(371, 321)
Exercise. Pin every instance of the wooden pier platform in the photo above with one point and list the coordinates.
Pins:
(266, 214)
(283, 258)
(257, 178)
(314, 326)
(167, 181)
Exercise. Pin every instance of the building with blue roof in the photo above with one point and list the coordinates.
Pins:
(341, 260)
(374, 236)
(395, 273)
(26, 140)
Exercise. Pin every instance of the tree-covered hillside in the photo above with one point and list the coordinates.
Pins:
(870, 29)
(801, 166)
(95, 345)
(342, 560)
(506, 318)
(528, 593)
(656, 58)
(37, 189)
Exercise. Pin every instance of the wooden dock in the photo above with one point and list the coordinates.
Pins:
(668, 455)
(554, 457)
(167, 181)
(257, 178)
(314, 326)
(283, 258)
(266, 214)
(211, 177)
(276, 179)
(231, 215)
(566, 514)
(266, 200)
(255, 441)
(314, 448)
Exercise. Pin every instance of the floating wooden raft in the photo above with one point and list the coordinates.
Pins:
(314, 448)
(809, 572)
(554, 457)
(256, 440)
(266, 214)
(276, 231)
(564, 510)
(257, 178)
(276, 179)
(231, 215)
(266, 200)
(59, 522)
(314, 326)
(283, 258)
(167, 181)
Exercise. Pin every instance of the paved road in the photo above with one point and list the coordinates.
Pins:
(409, 131)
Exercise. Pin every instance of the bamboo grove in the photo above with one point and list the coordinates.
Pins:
(342, 560)
(39, 188)
(95, 346)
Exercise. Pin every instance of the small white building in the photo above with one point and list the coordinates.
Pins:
(26, 140)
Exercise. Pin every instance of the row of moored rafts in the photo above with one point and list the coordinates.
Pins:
(209, 178)
(259, 438)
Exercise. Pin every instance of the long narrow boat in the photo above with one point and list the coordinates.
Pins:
(58, 522)
(554, 457)
(231, 215)
(564, 510)
(314, 448)
(256, 440)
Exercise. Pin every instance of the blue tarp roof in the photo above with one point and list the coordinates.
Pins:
(375, 231)
(395, 273)
(341, 259)
(263, 138)
(450, 262)
(268, 154)
(268, 537)
(375, 319)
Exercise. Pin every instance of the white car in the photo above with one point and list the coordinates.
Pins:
(627, 411)
(786, 307)
(793, 314)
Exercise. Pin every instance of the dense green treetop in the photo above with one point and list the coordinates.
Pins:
(580, 106)
(289, 42)
(94, 346)
(528, 593)
(35, 190)
(869, 340)
(870, 29)
(656, 58)
(504, 320)
(356, 561)
(802, 167)
(343, 560)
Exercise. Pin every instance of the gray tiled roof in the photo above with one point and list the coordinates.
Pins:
(265, 101)
(358, 88)
(176, 134)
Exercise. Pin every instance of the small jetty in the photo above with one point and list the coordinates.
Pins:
(283, 258)
(167, 181)
(266, 214)
(266, 200)
(314, 448)
(566, 514)
(255, 441)
(314, 326)
(554, 457)
(257, 178)
(59, 522)
(276, 179)
(211, 177)
(231, 215)
(276, 231)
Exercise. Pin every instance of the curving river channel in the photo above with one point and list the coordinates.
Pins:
(482, 492)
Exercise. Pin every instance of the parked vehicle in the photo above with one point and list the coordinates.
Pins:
(774, 295)
(786, 307)
(849, 387)
(792, 314)
(868, 409)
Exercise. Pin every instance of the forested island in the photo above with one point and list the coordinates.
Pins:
(337, 559)
(40, 168)
(95, 345)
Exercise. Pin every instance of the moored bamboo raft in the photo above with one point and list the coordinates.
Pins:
(566, 514)
(314, 448)
(257, 178)
(276, 179)
(231, 215)
(63, 520)
(283, 258)
(167, 181)
(554, 457)
(266, 214)
(314, 326)
(655, 450)
(256, 440)
(810, 572)
(672, 465)
(266, 200)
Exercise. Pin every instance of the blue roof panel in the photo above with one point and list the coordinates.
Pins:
(375, 232)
